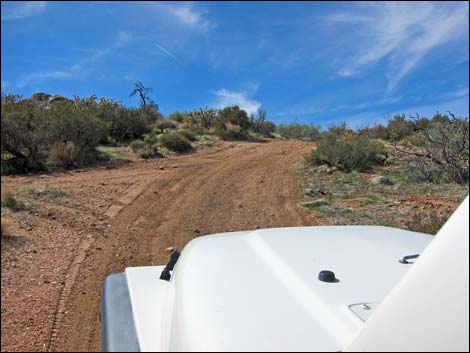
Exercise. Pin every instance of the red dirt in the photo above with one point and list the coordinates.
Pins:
(429, 202)
(58, 254)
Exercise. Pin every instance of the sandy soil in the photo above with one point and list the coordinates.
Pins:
(58, 253)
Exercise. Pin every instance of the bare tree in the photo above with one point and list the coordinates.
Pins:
(142, 91)
(257, 122)
(441, 151)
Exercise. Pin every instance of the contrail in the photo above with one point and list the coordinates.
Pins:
(167, 52)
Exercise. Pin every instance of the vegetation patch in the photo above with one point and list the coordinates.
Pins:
(315, 204)
(175, 142)
(10, 201)
(354, 200)
(48, 192)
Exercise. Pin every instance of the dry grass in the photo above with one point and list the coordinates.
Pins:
(10, 201)
(6, 224)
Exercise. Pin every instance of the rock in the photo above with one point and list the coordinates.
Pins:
(162, 168)
(381, 180)
(331, 170)
(55, 98)
(41, 97)
(308, 192)
(45, 100)
(170, 249)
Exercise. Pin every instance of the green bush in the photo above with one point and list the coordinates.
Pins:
(233, 115)
(203, 118)
(25, 136)
(267, 129)
(123, 124)
(347, 153)
(299, 132)
(30, 133)
(145, 149)
(164, 124)
(399, 127)
(189, 133)
(176, 142)
(231, 132)
(176, 116)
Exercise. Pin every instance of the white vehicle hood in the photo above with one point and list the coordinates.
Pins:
(259, 290)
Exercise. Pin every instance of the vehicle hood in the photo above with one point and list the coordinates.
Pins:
(259, 290)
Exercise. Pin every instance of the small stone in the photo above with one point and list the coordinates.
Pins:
(381, 180)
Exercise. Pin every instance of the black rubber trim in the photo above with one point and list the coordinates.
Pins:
(117, 323)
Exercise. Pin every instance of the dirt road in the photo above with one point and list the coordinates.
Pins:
(52, 270)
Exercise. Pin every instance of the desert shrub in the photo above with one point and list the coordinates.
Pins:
(61, 156)
(377, 131)
(164, 124)
(267, 129)
(48, 192)
(30, 132)
(345, 154)
(445, 142)
(429, 222)
(176, 116)
(176, 142)
(145, 149)
(10, 201)
(204, 118)
(340, 129)
(25, 136)
(75, 127)
(5, 224)
(412, 141)
(299, 131)
(260, 125)
(123, 124)
(399, 127)
(189, 133)
(230, 132)
(233, 115)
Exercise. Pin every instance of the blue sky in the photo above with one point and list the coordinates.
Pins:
(309, 62)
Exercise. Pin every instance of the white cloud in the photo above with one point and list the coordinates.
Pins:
(13, 10)
(463, 92)
(226, 98)
(77, 69)
(122, 38)
(185, 14)
(401, 33)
